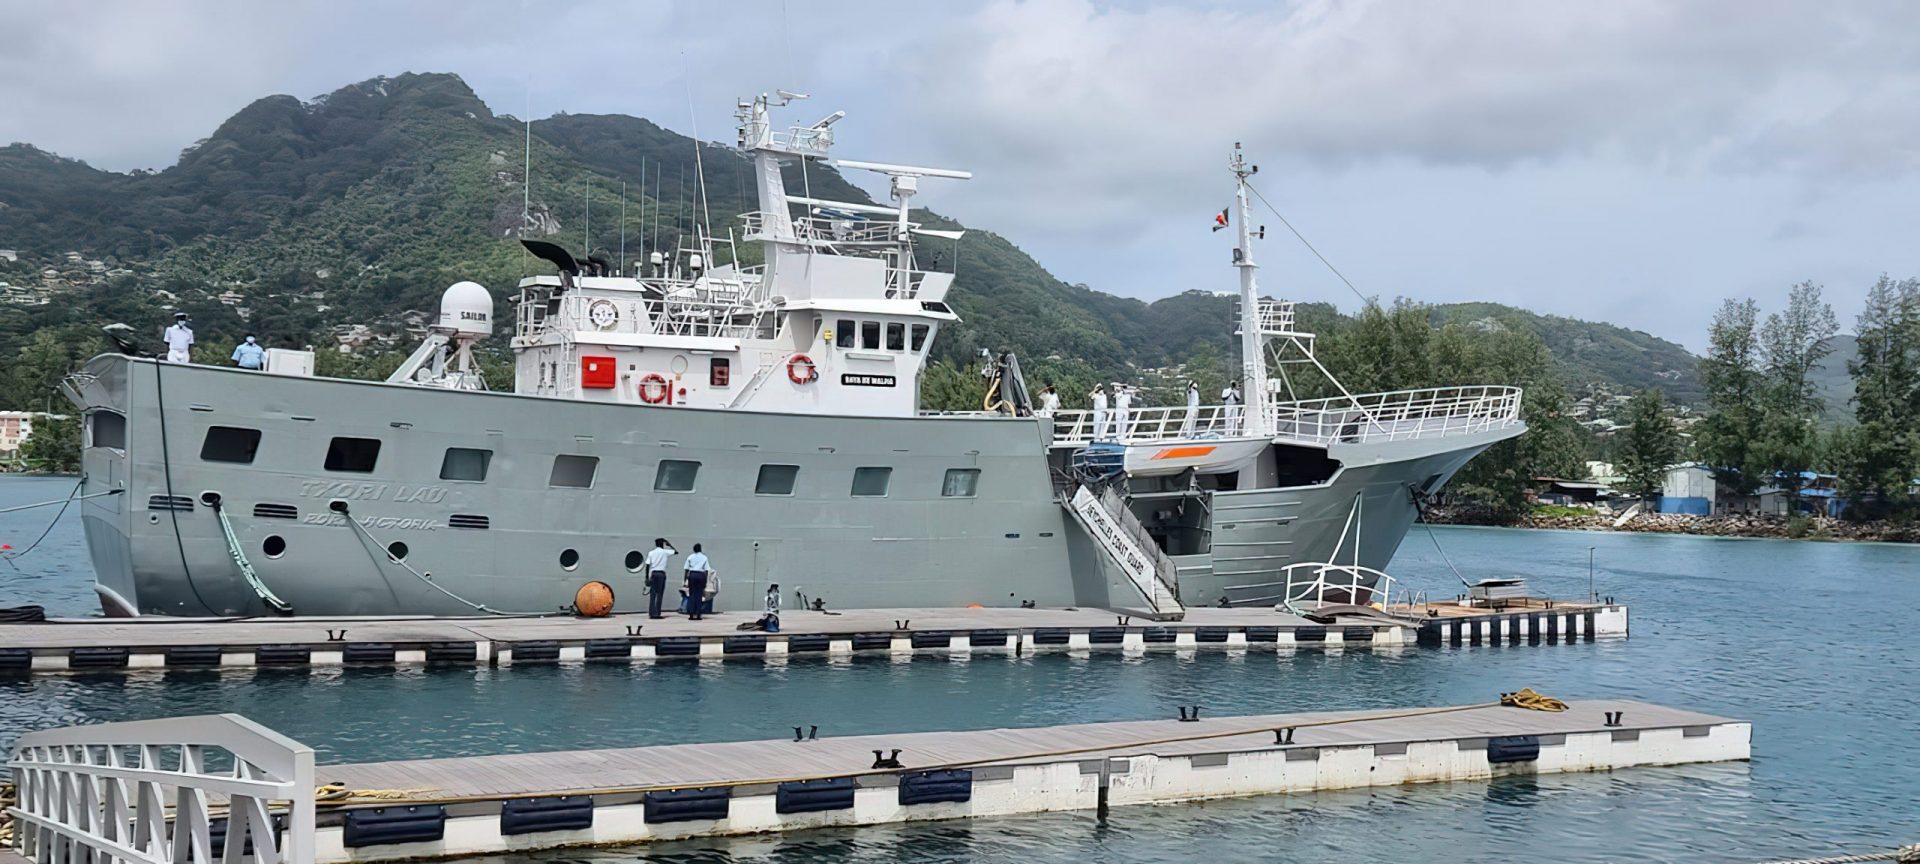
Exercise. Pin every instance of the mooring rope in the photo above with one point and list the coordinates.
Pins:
(64, 503)
(1909, 854)
(246, 567)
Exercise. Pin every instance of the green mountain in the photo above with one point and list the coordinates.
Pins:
(295, 217)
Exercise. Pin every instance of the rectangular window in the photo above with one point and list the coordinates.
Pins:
(896, 337)
(960, 483)
(465, 463)
(574, 472)
(843, 332)
(871, 482)
(870, 335)
(353, 454)
(720, 373)
(229, 444)
(776, 480)
(675, 475)
(109, 429)
(919, 337)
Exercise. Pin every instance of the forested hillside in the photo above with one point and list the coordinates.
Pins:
(295, 218)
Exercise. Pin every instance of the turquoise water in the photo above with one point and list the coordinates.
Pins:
(1811, 641)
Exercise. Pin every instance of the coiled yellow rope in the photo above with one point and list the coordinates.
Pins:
(1526, 698)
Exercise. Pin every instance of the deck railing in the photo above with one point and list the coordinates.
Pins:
(1399, 415)
(150, 791)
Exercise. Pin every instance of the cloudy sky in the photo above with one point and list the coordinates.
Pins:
(1627, 161)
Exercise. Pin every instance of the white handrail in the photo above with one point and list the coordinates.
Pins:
(139, 792)
(1357, 579)
(1392, 416)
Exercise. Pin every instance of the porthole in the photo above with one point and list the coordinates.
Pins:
(569, 559)
(397, 550)
(275, 546)
(635, 561)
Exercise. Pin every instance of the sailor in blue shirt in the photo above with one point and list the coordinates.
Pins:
(249, 354)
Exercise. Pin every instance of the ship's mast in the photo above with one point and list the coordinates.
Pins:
(1253, 362)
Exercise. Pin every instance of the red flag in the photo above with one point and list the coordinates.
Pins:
(1220, 221)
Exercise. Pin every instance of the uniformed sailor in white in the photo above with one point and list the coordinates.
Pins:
(1049, 401)
(1122, 402)
(658, 559)
(1193, 409)
(1099, 397)
(1230, 397)
(179, 339)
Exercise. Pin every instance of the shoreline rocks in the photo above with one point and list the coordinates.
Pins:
(1730, 525)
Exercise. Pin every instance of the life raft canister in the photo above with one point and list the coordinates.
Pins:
(800, 369)
(654, 389)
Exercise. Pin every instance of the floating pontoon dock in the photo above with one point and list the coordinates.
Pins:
(106, 644)
(492, 804)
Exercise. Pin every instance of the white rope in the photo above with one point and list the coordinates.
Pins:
(67, 500)
(428, 577)
(1905, 855)
(246, 567)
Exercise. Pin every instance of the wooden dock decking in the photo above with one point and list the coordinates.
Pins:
(104, 644)
(518, 802)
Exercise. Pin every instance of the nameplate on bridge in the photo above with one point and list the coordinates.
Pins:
(851, 380)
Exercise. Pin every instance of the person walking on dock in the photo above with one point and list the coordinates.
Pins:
(695, 585)
(658, 559)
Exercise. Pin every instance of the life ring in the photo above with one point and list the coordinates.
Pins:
(800, 369)
(650, 395)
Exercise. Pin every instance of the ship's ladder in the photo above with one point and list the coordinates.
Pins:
(1120, 536)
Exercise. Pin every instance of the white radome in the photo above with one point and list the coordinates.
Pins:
(466, 309)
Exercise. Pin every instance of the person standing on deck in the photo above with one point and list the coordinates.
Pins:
(658, 560)
(695, 585)
(770, 621)
(179, 339)
(1193, 409)
(1049, 401)
(1230, 397)
(1122, 401)
(249, 355)
(1099, 397)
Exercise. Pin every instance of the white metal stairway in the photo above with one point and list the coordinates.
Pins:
(1125, 542)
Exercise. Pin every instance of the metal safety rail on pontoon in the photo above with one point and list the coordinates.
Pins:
(1396, 416)
(161, 791)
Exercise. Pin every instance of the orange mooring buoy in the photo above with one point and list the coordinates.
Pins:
(593, 600)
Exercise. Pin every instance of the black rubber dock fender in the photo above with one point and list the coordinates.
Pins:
(551, 813)
(380, 826)
(814, 796)
(934, 787)
(688, 805)
(1513, 748)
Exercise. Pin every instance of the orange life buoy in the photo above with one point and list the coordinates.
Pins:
(648, 392)
(801, 370)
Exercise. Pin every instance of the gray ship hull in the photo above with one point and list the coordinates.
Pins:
(515, 542)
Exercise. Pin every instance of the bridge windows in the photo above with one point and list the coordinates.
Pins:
(356, 455)
(843, 332)
(573, 472)
(870, 335)
(229, 444)
(896, 336)
(776, 480)
(920, 332)
(675, 475)
(871, 482)
(960, 483)
(465, 463)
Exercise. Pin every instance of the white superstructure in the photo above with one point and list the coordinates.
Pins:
(838, 319)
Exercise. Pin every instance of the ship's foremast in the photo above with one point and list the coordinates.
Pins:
(1253, 359)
